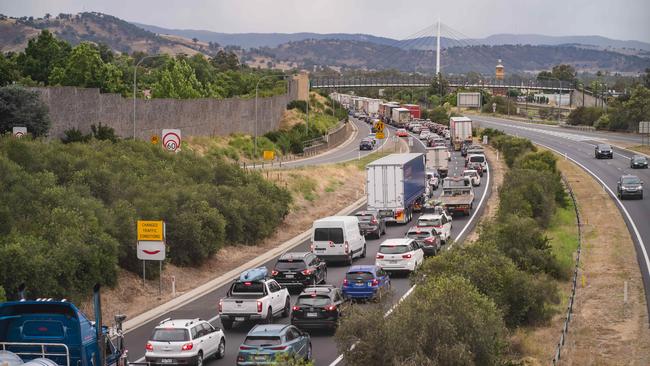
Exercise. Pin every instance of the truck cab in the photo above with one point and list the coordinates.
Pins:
(58, 332)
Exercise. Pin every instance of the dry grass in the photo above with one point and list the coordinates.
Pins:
(604, 330)
(334, 188)
(290, 118)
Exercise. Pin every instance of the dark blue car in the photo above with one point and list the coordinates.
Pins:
(365, 282)
(266, 341)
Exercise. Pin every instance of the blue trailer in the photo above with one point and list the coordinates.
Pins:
(47, 332)
(395, 186)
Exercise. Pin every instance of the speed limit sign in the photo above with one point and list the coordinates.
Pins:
(171, 140)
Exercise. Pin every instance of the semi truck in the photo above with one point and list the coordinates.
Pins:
(48, 332)
(438, 159)
(460, 130)
(414, 109)
(396, 185)
(400, 117)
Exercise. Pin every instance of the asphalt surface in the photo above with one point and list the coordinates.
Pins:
(324, 347)
(579, 147)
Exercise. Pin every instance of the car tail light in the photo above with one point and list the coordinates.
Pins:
(330, 308)
(311, 248)
(406, 256)
(307, 272)
(278, 348)
(187, 347)
(429, 240)
(374, 282)
(347, 247)
(345, 282)
(149, 347)
(242, 347)
(373, 221)
(221, 305)
(379, 256)
(274, 273)
(259, 306)
(295, 308)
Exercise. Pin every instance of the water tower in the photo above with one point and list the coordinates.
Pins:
(500, 72)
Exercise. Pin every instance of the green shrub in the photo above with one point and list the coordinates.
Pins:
(103, 132)
(3, 295)
(75, 135)
(300, 105)
(585, 116)
(20, 107)
(512, 147)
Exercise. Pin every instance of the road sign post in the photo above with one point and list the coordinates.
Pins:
(151, 246)
(154, 140)
(171, 139)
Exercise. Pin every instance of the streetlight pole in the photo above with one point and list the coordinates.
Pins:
(135, 73)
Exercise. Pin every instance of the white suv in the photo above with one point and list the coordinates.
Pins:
(440, 221)
(399, 255)
(184, 342)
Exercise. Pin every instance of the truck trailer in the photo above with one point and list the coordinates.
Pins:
(400, 117)
(460, 129)
(395, 184)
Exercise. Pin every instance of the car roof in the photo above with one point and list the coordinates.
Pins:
(321, 289)
(430, 216)
(294, 255)
(629, 176)
(396, 242)
(362, 268)
(421, 228)
(268, 329)
(179, 323)
(470, 171)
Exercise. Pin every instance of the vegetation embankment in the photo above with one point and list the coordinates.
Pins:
(295, 131)
(69, 210)
(475, 296)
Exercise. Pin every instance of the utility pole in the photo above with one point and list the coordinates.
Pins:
(438, 50)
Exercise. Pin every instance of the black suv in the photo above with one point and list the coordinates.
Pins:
(638, 161)
(299, 270)
(630, 186)
(603, 151)
(371, 223)
(365, 144)
(318, 307)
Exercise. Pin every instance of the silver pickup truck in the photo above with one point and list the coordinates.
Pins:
(254, 299)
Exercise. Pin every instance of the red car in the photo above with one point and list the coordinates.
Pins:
(402, 133)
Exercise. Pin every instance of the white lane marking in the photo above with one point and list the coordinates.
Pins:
(618, 201)
(410, 290)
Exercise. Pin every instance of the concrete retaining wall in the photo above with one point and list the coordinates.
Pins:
(72, 107)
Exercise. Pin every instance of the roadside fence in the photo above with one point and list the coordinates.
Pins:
(572, 296)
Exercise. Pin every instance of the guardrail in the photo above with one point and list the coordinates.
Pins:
(569, 312)
(577, 127)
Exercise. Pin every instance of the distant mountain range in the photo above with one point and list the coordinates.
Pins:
(254, 40)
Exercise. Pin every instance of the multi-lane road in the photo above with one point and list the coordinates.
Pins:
(324, 346)
(579, 146)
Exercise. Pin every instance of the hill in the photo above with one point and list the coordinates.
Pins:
(339, 54)
(98, 28)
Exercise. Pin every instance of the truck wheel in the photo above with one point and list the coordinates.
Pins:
(269, 316)
(227, 324)
(287, 308)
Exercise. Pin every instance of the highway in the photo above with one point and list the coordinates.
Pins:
(324, 346)
(579, 147)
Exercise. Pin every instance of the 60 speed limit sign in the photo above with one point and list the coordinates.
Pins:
(171, 139)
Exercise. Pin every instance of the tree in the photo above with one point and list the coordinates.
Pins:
(195, 40)
(177, 80)
(439, 86)
(224, 61)
(21, 107)
(585, 116)
(646, 78)
(85, 68)
(42, 55)
(564, 72)
(3, 295)
(105, 52)
(8, 70)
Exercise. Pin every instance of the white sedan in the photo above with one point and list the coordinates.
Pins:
(473, 176)
(399, 255)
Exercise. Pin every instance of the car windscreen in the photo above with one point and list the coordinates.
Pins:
(262, 341)
(429, 222)
(604, 147)
(393, 249)
(418, 234)
(248, 287)
(310, 300)
(477, 159)
(170, 335)
(333, 234)
(359, 276)
(631, 180)
(290, 265)
(639, 159)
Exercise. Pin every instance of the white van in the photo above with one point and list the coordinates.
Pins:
(475, 160)
(338, 238)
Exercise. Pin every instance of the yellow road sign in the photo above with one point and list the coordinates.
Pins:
(151, 230)
(269, 154)
(380, 135)
(154, 140)
(379, 126)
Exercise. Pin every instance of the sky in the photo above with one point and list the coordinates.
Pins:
(618, 19)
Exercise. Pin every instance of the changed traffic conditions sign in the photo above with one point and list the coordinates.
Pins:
(171, 139)
(151, 250)
(19, 131)
(151, 230)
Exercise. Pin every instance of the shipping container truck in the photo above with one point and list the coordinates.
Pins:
(438, 159)
(400, 117)
(414, 109)
(388, 112)
(373, 106)
(461, 130)
(395, 184)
